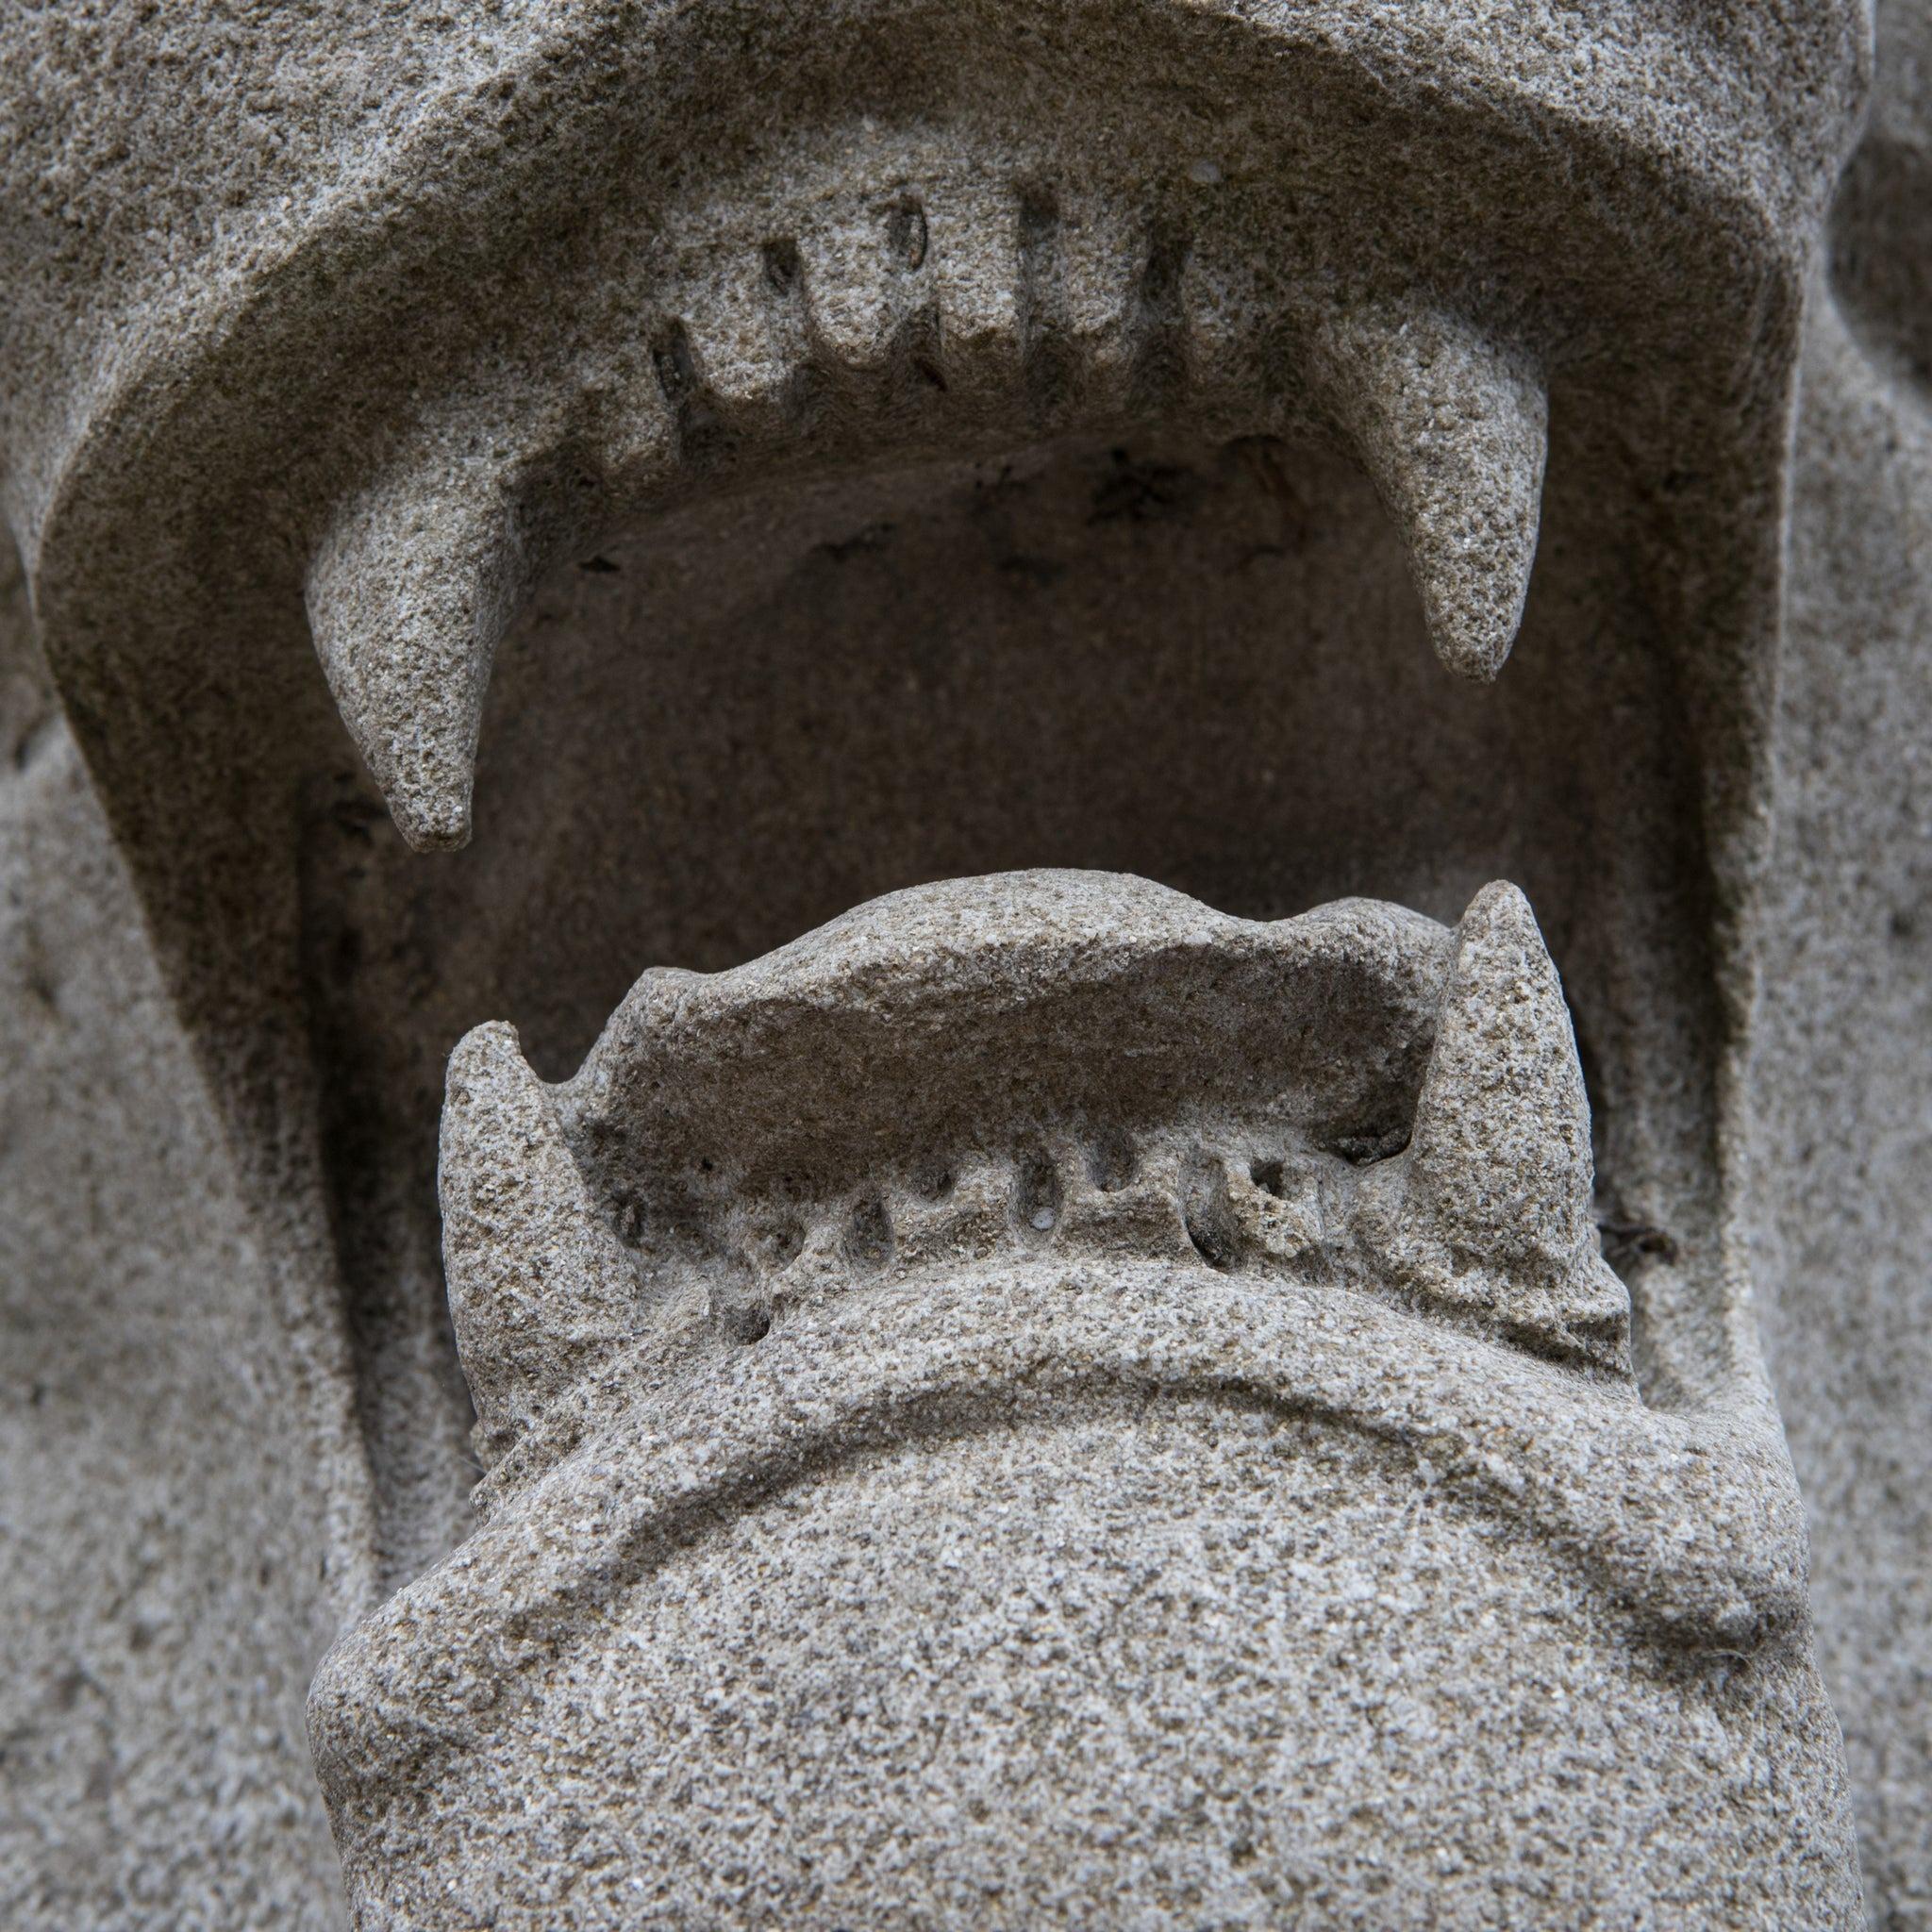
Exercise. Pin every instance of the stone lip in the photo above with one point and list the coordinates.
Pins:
(1690, 1523)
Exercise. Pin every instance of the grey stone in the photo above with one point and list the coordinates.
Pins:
(1841, 1088)
(896, 1605)
(508, 498)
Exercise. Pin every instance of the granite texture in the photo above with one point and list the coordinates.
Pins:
(166, 1537)
(1102, 1413)
(512, 496)
(1841, 1089)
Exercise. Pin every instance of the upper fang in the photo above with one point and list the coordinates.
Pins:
(408, 594)
(1452, 427)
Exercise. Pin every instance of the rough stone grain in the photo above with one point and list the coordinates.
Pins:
(730, 461)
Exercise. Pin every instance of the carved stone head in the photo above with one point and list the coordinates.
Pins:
(1037, 1401)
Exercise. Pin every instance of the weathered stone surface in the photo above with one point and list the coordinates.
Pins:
(1841, 1089)
(169, 1439)
(728, 462)
(985, 1521)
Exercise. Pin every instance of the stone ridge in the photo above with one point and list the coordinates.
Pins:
(1662, 1514)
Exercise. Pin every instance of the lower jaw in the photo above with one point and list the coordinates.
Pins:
(823, 1654)
(791, 1619)
(897, 1599)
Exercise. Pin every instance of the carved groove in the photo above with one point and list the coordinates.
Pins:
(802, 397)
(702, 438)
(1159, 374)
(1209, 1215)
(869, 1235)
(1039, 1203)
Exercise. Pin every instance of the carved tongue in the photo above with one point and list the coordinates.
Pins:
(1454, 429)
(408, 596)
(539, 1290)
(1500, 1142)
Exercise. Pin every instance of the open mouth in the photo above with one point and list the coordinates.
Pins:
(1080, 461)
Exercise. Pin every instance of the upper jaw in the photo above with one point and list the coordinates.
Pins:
(943, 228)
(1318, 238)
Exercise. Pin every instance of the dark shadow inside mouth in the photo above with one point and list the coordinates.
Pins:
(1199, 664)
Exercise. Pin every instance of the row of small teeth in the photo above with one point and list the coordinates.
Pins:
(418, 575)
(1487, 1214)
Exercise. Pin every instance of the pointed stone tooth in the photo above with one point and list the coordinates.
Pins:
(1231, 358)
(539, 1290)
(408, 596)
(1501, 1142)
(632, 438)
(1452, 428)
(1101, 255)
(737, 335)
